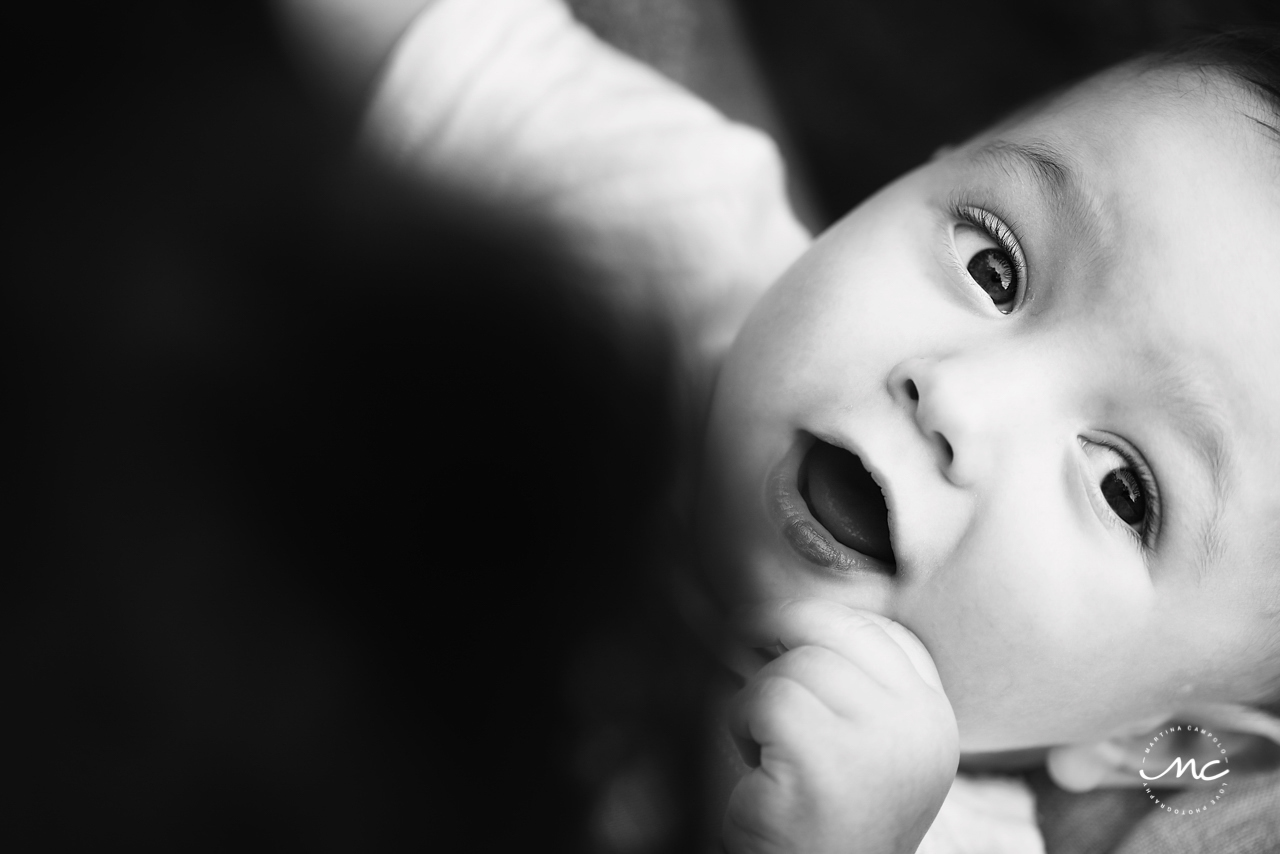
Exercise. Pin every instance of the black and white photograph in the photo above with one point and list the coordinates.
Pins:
(645, 427)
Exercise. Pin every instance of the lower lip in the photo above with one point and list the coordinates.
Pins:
(806, 536)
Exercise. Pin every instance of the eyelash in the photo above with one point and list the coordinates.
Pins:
(1146, 538)
(1003, 236)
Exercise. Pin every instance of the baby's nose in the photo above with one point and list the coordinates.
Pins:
(958, 411)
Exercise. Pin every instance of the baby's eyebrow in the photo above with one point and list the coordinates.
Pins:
(1051, 170)
(1045, 163)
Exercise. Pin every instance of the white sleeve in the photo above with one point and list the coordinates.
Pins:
(985, 815)
(515, 103)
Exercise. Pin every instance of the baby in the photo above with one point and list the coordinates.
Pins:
(989, 471)
(1021, 402)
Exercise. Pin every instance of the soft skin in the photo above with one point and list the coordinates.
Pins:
(1151, 299)
(852, 714)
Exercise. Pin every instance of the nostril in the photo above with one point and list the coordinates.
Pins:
(912, 391)
(947, 454)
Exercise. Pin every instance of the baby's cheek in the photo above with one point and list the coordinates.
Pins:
(1025, 637)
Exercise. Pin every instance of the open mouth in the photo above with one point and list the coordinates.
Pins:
(846, 500)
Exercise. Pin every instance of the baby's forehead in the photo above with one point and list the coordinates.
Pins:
(1183, 161)
(1125, 108)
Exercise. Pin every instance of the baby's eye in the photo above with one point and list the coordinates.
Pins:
(991, 256)
(1126, 487)
(993, 270)
(1122, 490)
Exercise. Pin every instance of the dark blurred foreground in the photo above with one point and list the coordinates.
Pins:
(335, 506)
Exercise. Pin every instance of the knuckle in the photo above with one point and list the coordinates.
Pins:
(773, 688)
(852, 622)
(807, 657)
(777, 692)
(805, 663)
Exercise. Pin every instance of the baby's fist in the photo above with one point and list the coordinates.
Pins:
(852, 741)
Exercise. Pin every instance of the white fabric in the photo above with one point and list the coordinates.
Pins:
(985, 815)
(515, 102)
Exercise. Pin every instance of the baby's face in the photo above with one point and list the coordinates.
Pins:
(1055, 350)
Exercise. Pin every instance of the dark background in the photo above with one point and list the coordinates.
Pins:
(871, 89)
(334, 511)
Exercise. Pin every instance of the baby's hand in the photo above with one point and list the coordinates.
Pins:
(852, 741)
